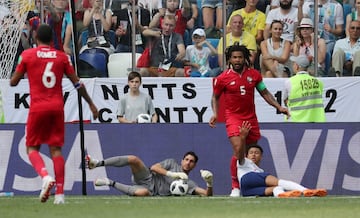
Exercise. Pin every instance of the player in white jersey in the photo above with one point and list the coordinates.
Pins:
(156, 180)
(255, 182)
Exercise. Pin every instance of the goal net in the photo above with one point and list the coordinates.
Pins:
(13, 15)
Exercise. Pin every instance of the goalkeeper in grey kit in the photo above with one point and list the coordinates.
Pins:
(156, 180)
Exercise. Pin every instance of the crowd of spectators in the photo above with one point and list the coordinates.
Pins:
(273, 30)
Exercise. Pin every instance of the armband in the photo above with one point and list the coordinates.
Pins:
(260, 86)
(78, 85)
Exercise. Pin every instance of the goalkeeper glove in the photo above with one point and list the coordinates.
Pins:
(177, 175)
(207, 177)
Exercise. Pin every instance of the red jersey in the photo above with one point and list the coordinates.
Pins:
(238, 91)
(45, 68)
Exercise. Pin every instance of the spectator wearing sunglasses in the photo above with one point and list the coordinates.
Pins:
(304, 45)
(354, 15)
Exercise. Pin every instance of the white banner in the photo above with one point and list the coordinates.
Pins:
(179, 100)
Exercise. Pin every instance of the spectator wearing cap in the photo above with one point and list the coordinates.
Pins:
(197, 55)
(304, 45)
(346, 56)
(331, 20)
(303, 93)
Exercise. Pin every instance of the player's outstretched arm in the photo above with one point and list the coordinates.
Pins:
(269, 98)
(204, 192)
(244, 131)
(207, 176)
(82, 91)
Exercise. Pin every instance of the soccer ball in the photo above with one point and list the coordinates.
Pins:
(179, 187)
(143, 118)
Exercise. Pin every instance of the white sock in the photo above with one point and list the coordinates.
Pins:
(278, 190)
(290, 185)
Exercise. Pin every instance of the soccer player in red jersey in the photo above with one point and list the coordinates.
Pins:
(45, 68)
(238, 84)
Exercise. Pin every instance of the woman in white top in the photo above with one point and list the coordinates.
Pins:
(275, 53)
(304, 45)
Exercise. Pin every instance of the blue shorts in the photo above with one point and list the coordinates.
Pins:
(253, 184)
(211, 4)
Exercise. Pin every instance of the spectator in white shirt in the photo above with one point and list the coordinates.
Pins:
(347, 53)
(288, 15)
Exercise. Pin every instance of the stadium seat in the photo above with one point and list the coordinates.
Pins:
(120, 64)
(214, 41)
(97, 60)
(213, 61)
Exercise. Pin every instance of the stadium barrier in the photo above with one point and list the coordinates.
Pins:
(180, 100)
(315, 155)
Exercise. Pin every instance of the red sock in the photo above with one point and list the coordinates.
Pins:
(59, 170)
(38, 163)
(233, 172)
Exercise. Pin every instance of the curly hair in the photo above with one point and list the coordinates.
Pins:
(236, 47)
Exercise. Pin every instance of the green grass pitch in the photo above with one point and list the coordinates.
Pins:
(182, 207)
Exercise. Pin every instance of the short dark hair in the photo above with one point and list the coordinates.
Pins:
(44, 33)
(248, 147)
(236, 47)
(192, 154)
(133, 74)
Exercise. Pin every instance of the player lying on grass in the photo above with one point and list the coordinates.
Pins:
(157, 179)
(255, 182)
